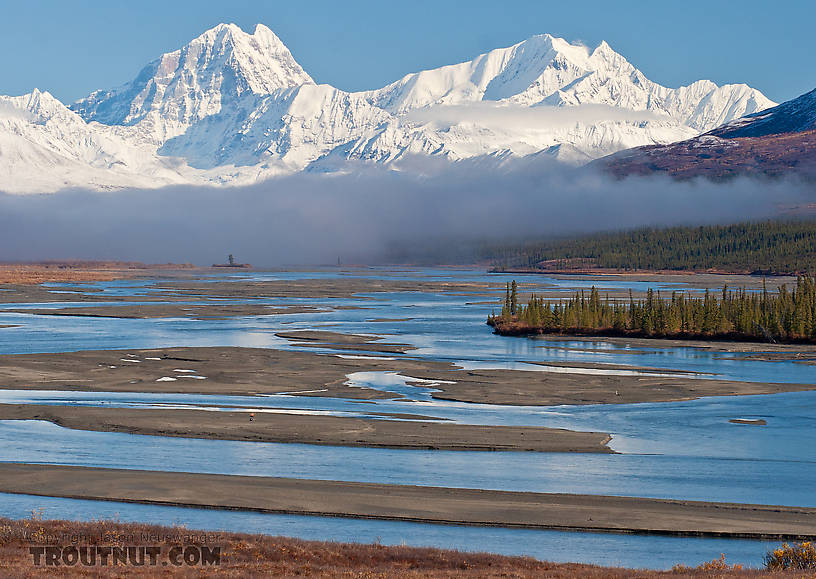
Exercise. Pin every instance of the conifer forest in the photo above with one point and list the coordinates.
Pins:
(788, 315)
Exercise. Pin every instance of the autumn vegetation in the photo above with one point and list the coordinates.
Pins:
(245, 555)
(784, 316)
(798, 556)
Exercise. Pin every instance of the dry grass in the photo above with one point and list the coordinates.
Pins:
(74, 271)
(244, 555)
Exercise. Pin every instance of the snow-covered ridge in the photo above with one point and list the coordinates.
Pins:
(232, 107)
(545, 70)
(794, 116)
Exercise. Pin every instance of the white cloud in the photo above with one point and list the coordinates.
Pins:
(515, 117)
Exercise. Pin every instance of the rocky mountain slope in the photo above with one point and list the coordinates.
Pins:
(775, 142)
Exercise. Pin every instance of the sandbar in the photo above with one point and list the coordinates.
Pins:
(311, 429)
(414, 503)
(338, 341)
(252, 371)
(152, 311)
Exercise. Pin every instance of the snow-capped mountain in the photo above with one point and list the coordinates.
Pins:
(222, 69)
(233, 108)
(44, 147)
(545, 70)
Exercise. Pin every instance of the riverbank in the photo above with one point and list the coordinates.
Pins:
(247, 555)
(519, 329)
(414, 503)
(757, 350)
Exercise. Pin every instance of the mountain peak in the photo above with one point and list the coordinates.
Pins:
(42, 103)
(224, 64)
(574, 52)
(263, 30)
(577, 52)
(231, 33)
(545, 38)
(261, 58)
(605, 58)
(221, 27)
(603, 49)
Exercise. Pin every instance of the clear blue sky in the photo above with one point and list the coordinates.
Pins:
(73, 47)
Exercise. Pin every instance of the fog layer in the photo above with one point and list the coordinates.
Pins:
(316, 219)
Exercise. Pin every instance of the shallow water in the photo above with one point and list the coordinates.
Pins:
(685, 450)
(657, 476)
(444, 327)
(695, 428)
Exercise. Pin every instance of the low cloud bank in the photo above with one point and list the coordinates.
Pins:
(517, 117)
(316, 219)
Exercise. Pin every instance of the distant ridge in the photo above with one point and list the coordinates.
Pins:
(775, 142)
(794, 116)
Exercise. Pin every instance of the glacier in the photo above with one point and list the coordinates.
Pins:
(235, 108)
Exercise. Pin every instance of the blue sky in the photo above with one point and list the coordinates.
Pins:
(73, 47)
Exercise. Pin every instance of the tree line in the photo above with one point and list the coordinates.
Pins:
(740, 314)
(769, 247)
